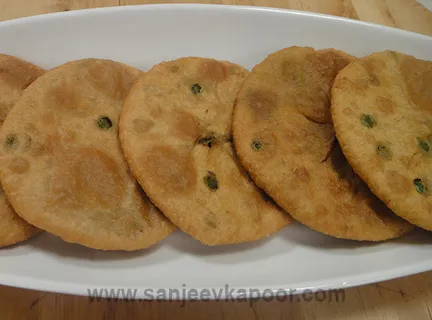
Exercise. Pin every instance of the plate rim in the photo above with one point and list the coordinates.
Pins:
(201, 6)
(336, 283)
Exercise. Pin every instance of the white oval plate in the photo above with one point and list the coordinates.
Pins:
(142, 36)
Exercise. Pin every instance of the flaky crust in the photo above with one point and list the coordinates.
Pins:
(175, 131)
(15, 76)
(62, 166)
(395, 149)
(284, 136)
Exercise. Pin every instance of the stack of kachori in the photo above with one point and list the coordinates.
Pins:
(102, 154)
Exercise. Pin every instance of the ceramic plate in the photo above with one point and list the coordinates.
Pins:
(293, 260)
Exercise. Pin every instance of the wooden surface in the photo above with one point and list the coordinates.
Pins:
(408, 298)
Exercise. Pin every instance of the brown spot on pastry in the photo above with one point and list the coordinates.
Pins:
(110, 78)
(302, 174)
(62, 97)
(155, 112)
(418, 78)
(213, 70)
(322, 210)
(141, 125)
(384, 104)
(88, 177)
(348, 112)
(262, 103)
(174, 170)
(18, 165)
(186, 125)
(373, 80)
(397, 183)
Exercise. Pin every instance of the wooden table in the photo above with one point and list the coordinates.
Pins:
(408, 298)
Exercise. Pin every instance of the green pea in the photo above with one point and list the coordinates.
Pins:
(424, 144)
(420, 186)
(104, 122)
(196, 88)
(368, 121)
(206, 141)
(384, 152)
(211, 181)
(257, 145)
(11, 141)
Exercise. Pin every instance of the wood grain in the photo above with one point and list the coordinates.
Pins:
(405, 299)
